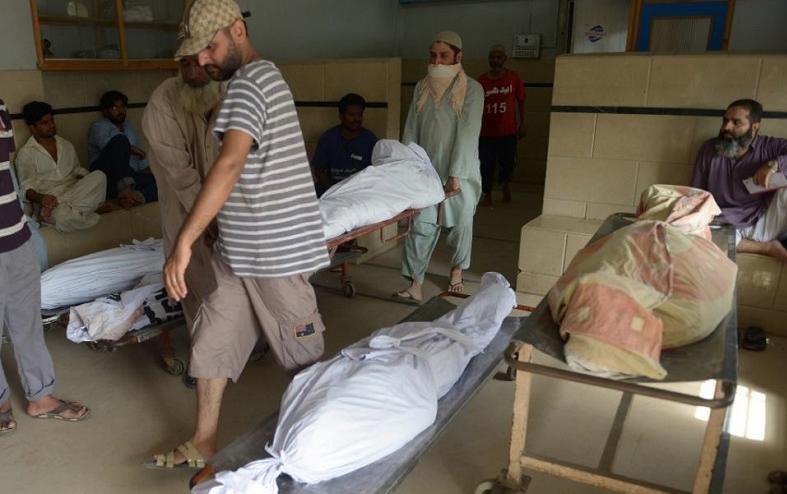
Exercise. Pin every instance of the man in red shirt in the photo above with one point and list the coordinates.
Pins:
(504, 98)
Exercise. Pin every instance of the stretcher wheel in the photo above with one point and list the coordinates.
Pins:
(98, 346)
(348, 289)
(174, 365)
(494, 486)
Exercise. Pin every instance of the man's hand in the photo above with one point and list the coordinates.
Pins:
(763, 175)
(452, 184)
(211, 233)
(48, 202)
(175, 272)
(127, 199)
(137, 152)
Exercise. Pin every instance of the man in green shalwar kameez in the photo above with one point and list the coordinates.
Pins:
(445, 120)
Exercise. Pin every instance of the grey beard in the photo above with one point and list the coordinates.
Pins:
(199, 100)
(733, 146)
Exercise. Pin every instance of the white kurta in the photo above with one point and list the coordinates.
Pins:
(78, 191)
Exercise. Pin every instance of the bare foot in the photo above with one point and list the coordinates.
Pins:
(773, 248)
(51, 407)
(776, 249)
(7, 422)
(105, 207)
(413, 292)
(506, 192)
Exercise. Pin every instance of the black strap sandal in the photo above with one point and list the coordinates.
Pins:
(754, 339)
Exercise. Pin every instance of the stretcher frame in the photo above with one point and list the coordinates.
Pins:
(540, 332)
(383, 476)
(341, 260)
(170, 361)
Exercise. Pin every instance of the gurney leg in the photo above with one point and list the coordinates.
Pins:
(172, 363)
(710, 445)
(512, 481)
(348, 289)
(519, 422)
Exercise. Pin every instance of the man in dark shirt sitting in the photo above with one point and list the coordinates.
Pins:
(345, 149)
(739, 153)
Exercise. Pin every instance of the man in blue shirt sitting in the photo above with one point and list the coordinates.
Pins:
(345, 149)
(114, 148)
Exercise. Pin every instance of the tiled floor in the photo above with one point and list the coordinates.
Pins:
(138, 409)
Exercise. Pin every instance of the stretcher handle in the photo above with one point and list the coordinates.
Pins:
(525, 308)
(728, 387)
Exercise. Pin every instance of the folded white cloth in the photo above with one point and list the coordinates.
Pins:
(373, 398)
(401, 177)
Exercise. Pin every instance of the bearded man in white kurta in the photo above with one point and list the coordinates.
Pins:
(50, 176)
(445, 120)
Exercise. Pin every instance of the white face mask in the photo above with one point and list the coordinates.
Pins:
(444, 71)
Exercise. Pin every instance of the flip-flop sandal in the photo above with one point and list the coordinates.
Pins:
(6, 417)
(458, 287)
(166, 461)
(64, 406)
(754, 339)
(406, 297)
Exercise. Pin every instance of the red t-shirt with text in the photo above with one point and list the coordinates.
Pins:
(500, 101)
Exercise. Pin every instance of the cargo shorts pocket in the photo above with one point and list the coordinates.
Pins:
(301, 342)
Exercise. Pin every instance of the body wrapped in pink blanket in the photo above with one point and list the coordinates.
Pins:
(658, 283)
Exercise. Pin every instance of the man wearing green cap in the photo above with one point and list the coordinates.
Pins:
(445, 120)
(260, 193)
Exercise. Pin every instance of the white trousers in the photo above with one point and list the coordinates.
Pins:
(772, 225)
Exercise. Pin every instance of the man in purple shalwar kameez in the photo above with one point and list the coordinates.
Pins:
(738, 153)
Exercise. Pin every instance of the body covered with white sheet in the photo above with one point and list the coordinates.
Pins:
(401, 177)
(88, 277)
(373, 398)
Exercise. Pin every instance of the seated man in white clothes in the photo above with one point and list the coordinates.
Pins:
(740, 152)
(69, 197)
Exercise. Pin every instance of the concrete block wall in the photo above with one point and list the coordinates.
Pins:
(537, 75)
(620, 123)
(378, 80)
(587, 149)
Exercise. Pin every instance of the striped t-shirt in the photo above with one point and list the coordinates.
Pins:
(271, 225)
(13, 227)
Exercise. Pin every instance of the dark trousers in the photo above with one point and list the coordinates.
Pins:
(114, 162)
(492, 150)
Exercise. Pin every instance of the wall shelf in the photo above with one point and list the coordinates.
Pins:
(114, 44)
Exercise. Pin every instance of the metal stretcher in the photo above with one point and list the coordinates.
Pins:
(714, 358)
(384, 475)
(340, 259)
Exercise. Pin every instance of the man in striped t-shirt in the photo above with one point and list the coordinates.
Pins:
(20, 302)
(270, 233)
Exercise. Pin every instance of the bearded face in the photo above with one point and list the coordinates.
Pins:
(730, 145)
(222, 70)
(198, 99)
(737, 132)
